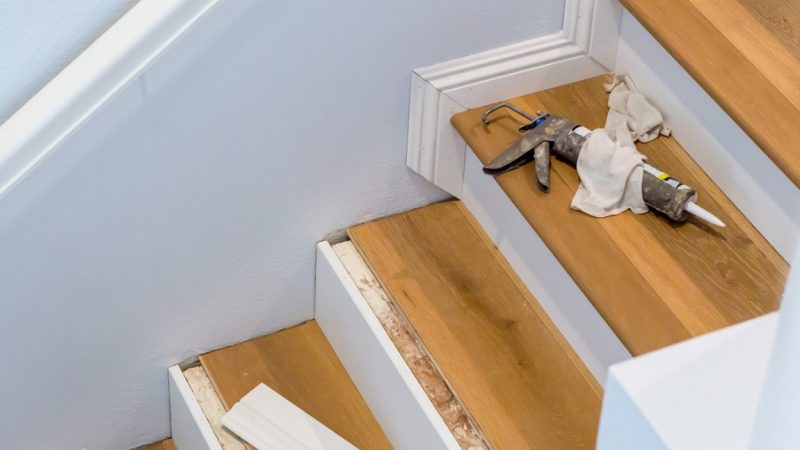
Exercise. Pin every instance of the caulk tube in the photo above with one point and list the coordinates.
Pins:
(660, 191)
(666, 194)
(672, 198)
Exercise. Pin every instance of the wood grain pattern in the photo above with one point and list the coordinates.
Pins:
(512, 369)
(748, 68)
(653, 281)
(299, 364)
(781, 18)
(166, 444)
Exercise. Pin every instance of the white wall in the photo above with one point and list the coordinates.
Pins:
(183, 216)
(39, 37)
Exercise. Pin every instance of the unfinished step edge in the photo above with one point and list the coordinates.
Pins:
(393, 394)
(190, 427)
(415, 353)
(211, 405)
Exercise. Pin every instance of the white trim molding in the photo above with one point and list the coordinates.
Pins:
(585, 47)
(110, 64)
(268, 421)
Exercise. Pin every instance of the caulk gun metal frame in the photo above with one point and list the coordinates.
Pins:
(547, 133)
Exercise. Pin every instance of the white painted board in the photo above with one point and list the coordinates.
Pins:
(699, 394)
(267, 421)
(190, 428)
(391, 391)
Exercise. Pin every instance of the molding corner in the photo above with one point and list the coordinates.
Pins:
(585, 47)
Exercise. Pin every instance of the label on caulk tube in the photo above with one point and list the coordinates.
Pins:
(664, 177)
(582, 131)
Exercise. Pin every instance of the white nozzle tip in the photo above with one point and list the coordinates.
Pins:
(700, 213)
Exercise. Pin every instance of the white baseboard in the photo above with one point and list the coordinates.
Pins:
(560, 297)
(737, 165)
(190, 428)
(391, 391)
(111, 63)
(585, 47)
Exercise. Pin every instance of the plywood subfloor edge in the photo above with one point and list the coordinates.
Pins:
(408, 326)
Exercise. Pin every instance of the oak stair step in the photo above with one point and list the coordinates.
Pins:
(518, 378)
(654, 282)
(746, 55)
(299, 364)
(166, 444)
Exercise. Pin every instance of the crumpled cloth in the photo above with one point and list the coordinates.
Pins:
(609, 166)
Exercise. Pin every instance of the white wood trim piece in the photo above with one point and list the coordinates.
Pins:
(718, 377)
(736, 164)
(585, 47)
(391, 391)
(267, 421)
(116, 59)
(570, 310)
(190, 428)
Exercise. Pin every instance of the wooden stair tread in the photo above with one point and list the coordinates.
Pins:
(746, 55)
(166, 444)
(504, 358)
(299, 364)
(653, 281)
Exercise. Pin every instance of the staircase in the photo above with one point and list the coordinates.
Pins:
(491, 321)
(471, 322)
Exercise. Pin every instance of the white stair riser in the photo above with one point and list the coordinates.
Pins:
(391, 391)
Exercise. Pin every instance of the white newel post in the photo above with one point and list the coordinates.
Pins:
(777, 424)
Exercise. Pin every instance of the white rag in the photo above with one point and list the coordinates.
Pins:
(609, 166)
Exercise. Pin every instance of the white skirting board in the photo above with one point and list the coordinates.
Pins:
(391, 391)
(562, 299)
(585, 47)
(736, 164)
(190, 428)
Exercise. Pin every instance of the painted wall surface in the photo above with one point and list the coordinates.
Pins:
(38, 38)
(183, 216)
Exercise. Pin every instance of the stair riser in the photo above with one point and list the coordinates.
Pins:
(190, 429)
(373, 362)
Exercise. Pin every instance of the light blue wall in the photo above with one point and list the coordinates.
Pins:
(184, 215)
(38, 38)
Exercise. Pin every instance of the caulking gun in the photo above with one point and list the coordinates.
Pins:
(547, 133)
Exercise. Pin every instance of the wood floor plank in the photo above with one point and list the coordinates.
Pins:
(512, 369)
(655, 282)
(744, 54)
(166, 444)
(299, 364)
